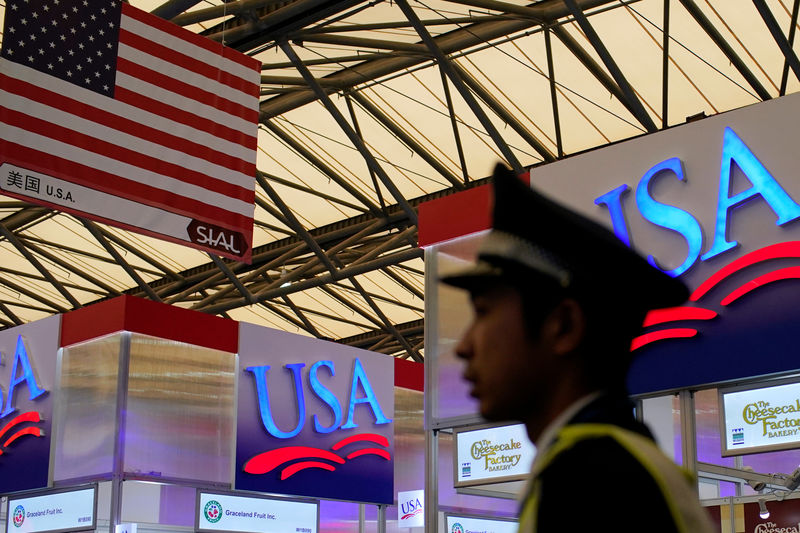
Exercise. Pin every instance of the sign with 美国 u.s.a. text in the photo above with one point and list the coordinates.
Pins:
(760, 419)
(492, 454)
(315, 418)
(226, 512)
(28, 355)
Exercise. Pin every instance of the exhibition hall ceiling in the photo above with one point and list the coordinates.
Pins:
(368, 108)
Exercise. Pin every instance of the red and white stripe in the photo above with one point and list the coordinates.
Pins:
(179, 135)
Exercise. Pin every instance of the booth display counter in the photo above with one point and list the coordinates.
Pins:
(183, 421)
(715, 202)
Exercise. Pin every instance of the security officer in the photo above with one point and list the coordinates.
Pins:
(557, 300)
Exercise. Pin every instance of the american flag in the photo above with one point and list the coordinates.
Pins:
(109, 112)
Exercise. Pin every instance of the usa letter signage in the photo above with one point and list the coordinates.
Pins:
(717, 203)
(314, 418)
(410, 508)
(27, 376)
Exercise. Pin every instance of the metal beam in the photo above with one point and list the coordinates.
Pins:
(348, 130)
(357, 129)
(503, 113)
(305, 321)
(318, 281)
(406, 139)
(361, 43)
(232, 278)
(551, 75)
(665, 69)
(403, 283)
(322, 167)
(172, 8)
(239, 7)
(469, 98)
(726, 48)
(295, 223)
(372, 26)
(451, 111)
(456, 40)
(309, 190)
(48, 302)
(792, 31)
(9, 235)
(635, 104)
(10, 314)
(777, 34)
(325, 61)
(70, 267)
(97, 234)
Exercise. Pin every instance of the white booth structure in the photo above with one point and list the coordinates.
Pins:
(167, 419)
(716, 202)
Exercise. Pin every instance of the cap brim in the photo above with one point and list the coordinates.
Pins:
(476, 275)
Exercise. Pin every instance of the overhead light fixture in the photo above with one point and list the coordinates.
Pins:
(763, 512)
(793, 481)
(284, 273)
(755, 484)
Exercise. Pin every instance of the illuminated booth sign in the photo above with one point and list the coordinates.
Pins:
(477, 524)
(55, 511)
(27, 374)
(411, 508)
(492, 455)
(227, 512)
(314, 418)
(755, 420)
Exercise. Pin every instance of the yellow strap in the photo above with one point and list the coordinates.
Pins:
(641, 448)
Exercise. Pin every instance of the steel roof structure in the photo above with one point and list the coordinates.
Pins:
(368, 108)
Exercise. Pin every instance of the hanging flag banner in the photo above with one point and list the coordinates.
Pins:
(114, 114)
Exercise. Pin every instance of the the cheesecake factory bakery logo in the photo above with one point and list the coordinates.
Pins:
(774, 420)
(772, 527)
(497, 457)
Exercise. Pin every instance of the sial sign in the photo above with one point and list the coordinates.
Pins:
(28, 356)
(314, 418)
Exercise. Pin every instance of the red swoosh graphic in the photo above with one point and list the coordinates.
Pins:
(671, 314)
(370, 451)
(30, 416)
(371, 437)
(775, 251)
(264, 462)
(674, 333)
(776, 275)
(36, 432)
(412, 514)
(295, 468)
